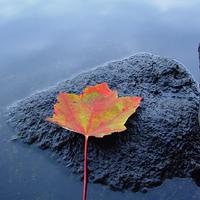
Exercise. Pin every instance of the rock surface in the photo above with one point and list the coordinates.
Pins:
(199, 79)
(162, 139)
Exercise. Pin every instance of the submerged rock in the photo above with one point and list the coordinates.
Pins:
(162, 139)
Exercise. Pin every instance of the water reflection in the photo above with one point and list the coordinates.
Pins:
(44, 42)
(57, 39)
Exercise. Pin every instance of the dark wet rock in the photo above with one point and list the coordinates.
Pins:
(199, 79)
(162, 139)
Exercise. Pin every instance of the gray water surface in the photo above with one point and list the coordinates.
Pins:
(44, 42)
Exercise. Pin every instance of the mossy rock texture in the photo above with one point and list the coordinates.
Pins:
(162, 139)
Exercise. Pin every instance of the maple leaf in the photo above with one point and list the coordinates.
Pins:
(98, 111)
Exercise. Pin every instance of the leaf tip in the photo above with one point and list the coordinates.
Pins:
(47, 119)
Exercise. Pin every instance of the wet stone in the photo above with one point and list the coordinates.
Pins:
(162, 139)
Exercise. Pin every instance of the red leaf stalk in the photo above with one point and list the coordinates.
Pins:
(85, 169)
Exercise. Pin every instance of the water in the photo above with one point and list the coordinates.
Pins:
(45, 42)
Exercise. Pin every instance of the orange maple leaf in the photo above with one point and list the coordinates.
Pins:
(98, 111)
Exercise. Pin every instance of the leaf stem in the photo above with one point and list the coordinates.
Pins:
(85, 169)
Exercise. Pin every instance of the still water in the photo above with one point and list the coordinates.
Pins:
(44, 42)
